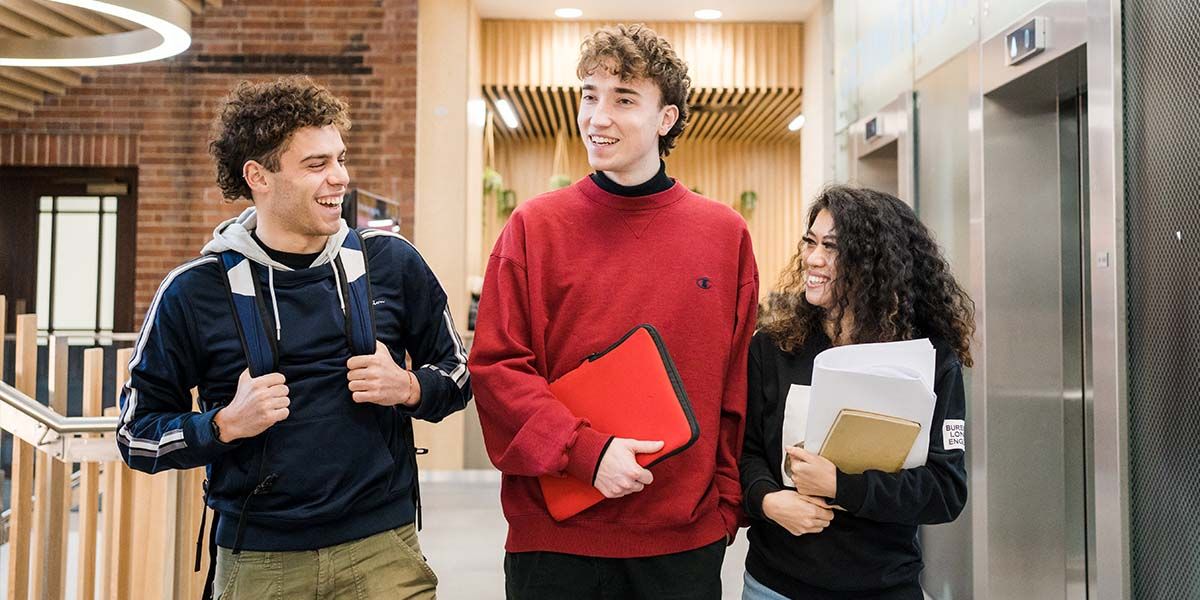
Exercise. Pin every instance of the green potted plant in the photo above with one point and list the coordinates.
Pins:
(506, 202)
(559, 181)
(747, 203)
(493, 181)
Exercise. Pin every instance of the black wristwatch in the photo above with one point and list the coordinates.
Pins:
(216, 429)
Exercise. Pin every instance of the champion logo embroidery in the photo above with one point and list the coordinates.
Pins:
(704, 283)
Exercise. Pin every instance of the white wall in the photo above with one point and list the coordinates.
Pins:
(882, 47)
(816, 139)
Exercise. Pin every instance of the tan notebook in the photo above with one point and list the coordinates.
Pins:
(861, 441)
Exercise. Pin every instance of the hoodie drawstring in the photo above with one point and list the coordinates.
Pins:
(337, 284)
(274, 303)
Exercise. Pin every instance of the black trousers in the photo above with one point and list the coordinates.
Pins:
(690, 575)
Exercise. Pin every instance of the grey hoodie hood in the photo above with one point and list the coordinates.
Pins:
(234, 234)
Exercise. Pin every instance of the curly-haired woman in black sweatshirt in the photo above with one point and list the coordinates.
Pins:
(867, 270)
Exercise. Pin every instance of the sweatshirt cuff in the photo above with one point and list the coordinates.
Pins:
(754, 497)
(583, 457)
(203, 437)
(851, 491)
(426, 406)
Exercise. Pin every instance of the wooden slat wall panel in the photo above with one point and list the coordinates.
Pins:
(763, 114)
(720, 170)
(719, 55)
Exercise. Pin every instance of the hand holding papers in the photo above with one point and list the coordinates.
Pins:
(812, 474)
(870, 407)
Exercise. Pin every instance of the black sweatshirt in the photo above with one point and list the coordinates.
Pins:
(292, 260)
(871, 547)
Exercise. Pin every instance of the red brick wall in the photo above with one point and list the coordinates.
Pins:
(157, 116)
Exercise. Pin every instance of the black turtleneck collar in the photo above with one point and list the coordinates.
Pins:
(291, 259)
(659, 183)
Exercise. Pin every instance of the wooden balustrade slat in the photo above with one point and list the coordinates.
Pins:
(121, 582)
(89, 478)
(21, 515)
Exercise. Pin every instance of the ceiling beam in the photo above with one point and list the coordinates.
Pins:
(15, 103)
(196, 6)
(21, 90)
(38, 12)
(33, 80)
(63, 76)
(24, 25)
(89, 19)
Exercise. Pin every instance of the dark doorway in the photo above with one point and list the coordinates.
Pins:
(67, 246)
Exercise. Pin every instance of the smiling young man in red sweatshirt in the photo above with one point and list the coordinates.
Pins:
(572, 272)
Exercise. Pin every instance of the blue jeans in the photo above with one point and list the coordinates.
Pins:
(753, 590)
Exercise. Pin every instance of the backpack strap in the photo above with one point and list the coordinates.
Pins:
(351, 263)
(360, 329)
(262, 352)
(245, 297)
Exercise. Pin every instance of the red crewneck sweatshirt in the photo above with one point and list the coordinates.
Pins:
(574, 270)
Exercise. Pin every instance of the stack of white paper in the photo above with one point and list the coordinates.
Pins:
(893, 378)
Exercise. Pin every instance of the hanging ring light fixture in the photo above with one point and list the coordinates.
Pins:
(167, 32)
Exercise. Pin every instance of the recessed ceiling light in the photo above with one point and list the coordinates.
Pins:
(796, 123)
(568, 13)
(507, 114)
(477, 112)
(708, 14)
(167, 33)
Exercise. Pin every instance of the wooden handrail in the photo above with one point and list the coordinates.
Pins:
(145, 518)
(71, 439)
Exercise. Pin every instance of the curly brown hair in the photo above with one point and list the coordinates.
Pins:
(891, 277)
(257, 120)
(638, 52)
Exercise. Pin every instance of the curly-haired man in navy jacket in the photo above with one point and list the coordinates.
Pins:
(294, 329)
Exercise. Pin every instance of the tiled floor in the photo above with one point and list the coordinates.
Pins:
(463, 538)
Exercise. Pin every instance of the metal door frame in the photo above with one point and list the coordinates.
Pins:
(1107, 406)
(897, 122)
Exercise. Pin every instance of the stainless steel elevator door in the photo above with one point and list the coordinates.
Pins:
(1033, 472)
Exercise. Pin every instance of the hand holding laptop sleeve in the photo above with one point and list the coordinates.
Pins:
(630, 390)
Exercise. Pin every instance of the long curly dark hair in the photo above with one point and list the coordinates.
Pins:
(891, 278)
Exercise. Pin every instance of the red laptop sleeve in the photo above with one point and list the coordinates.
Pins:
(630, 390)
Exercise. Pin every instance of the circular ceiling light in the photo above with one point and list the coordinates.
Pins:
(568, 13)
(707, 14)
(167, 32)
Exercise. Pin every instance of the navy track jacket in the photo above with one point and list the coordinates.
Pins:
(343, 470)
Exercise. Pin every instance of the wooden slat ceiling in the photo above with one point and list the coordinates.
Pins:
(22, 89)
(717, 114)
